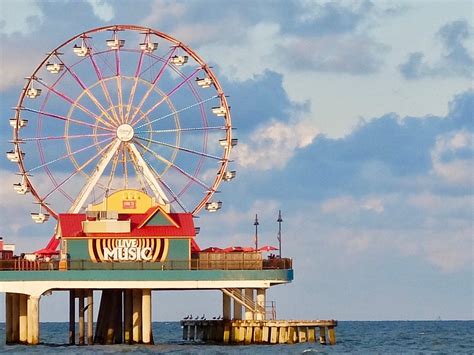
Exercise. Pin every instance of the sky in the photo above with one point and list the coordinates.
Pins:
(354, 118)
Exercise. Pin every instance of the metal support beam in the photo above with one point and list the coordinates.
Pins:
(149, 176)
(94, 178)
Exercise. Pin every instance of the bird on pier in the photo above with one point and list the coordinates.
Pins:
(197, 317)
(187, 317)
(214, 318)
(203, 317)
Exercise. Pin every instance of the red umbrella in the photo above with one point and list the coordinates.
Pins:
(232, 249)
(211, 250)
(46, 251)
(267, 248)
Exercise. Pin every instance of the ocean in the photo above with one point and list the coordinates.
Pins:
(387, 337)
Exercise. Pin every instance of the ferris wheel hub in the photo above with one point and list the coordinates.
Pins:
(125, 132)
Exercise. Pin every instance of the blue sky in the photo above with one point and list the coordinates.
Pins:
(354, 118)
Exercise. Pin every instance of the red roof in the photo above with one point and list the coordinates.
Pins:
(71, 226)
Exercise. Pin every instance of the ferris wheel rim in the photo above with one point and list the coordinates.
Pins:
(220, 94)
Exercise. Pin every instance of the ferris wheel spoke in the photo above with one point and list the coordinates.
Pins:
(124, 166)
(168, 188)
(134, 87)
(153, 84)
(86, 90)
(59, 117)
(100, 77)
(137, 169)
(65, 137)
(167, 96)
(173, 165)
(71, 101)
(180, 148)
(68, 155)
(113, 170)
(119, 85)
(178, 111)
(78, 170)
(193, 129)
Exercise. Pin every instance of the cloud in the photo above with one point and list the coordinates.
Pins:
(272, 145)
(102, 9)
(452, 158)
(348, 204)
(456, 59)
(23, 16)
(350, 53)
(288, 36)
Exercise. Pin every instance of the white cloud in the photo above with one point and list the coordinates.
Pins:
(348, 204)
(250, 54)
(102, 9)
(448, 164)
(273, 145)
(21, 16)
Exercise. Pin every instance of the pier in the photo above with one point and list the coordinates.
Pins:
(260, 331)
(125, 206)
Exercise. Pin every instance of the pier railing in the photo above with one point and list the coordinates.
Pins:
(193, 264)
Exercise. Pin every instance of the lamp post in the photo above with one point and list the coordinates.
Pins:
(279, 220)
(256, 232)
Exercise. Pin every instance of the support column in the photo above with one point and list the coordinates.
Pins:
(237, 308)
(23, 321)
(118, 332)
(90, 317)
(15, 317)
(72, 317)
(8, 317)
(127, 315)
(261, 304)
(248, 297)
(33, 320)
(81, 316)
(137, 316)
(225, 306)
(146, 316)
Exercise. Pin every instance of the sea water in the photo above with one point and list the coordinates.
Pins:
(393, 337)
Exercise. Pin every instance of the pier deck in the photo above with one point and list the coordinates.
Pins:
(260, 331)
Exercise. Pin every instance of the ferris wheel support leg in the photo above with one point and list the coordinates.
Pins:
(150, 177)
(86, 190)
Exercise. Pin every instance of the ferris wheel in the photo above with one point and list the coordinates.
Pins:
(121, 107)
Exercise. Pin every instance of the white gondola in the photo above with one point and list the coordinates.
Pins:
(149, 46)
(219, 111)
(21, 188)
(224, 143)
(14, 156)
(229, 175)
(39, 217)
(204, 82)
(54, 68)
(33, 93)
(82, 50)
(179, 59)
(115, 43)
(213, 206)
(21, 122)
